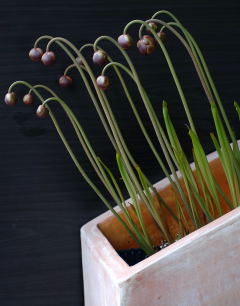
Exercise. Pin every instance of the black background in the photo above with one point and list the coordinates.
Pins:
(44, 201)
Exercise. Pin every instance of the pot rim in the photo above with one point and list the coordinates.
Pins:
(118, 267)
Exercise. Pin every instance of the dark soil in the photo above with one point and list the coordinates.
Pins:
(134, 256)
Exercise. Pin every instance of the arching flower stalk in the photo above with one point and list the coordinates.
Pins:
(138, 232)
(119, 142)
(201, 201)
(232, 174)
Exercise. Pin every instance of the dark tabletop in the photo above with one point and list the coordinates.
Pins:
(43, 199)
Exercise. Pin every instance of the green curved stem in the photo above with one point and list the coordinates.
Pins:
(112, 122)
(43, 87)
(114, 64)
(153, 117)
(84, 142)
(141, 242)
(191, 45)
(162, 12)
(204, 69)
(94, 160)
(169, 62)
(137, 237)
(82, 73)
(161, 163)
(72, 66)
(138, 118)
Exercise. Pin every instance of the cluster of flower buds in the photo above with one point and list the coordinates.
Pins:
(153, 26)
(146, 45)
(48, 58)
(11, 100)
(100, 58)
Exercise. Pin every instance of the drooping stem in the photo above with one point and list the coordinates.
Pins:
(94, 160)
(213, 87)
(153, 117)
(141, 123)
(204, 69)
(138, 118)
(114, 127)
(142, 243)
(171, 67)
(145, 244)
(117, 65)
(84, 142)
(191, 45)
(85, 80)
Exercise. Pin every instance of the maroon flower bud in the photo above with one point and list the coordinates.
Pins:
(48, 58)
(146, 45)
(162, 35)
(10, 98)
(42, 111)
(103, 82)
(35, 54)
(152, 25)
(125, 41)
(79, 60)
(149, 39)
(99, 57)
(65, 81)
(28, 99)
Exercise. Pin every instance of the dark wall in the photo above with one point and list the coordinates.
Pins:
(44, 201)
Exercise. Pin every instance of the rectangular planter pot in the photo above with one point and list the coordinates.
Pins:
(199, 269)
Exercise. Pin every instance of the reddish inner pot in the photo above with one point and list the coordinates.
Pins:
(119, 237)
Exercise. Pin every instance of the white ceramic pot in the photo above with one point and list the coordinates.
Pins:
(200, 269)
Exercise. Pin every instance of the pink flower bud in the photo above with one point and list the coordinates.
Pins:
(35, 54)
(103, 82)
(10, 98)
(48, 58)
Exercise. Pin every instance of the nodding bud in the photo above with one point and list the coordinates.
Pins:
(125, 41)
(99, 57)
(28, 99)
(148, 39)
(65, 81)
(153, 26)
(146, 45)
(35, 54)
(162, 35)
(10, 98)
(42, 111)
(103, 82)
(48, 58)
(79, 60)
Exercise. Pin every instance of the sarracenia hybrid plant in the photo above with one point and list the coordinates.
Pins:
(198, 194)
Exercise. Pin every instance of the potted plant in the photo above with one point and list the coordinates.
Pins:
(170, 225)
